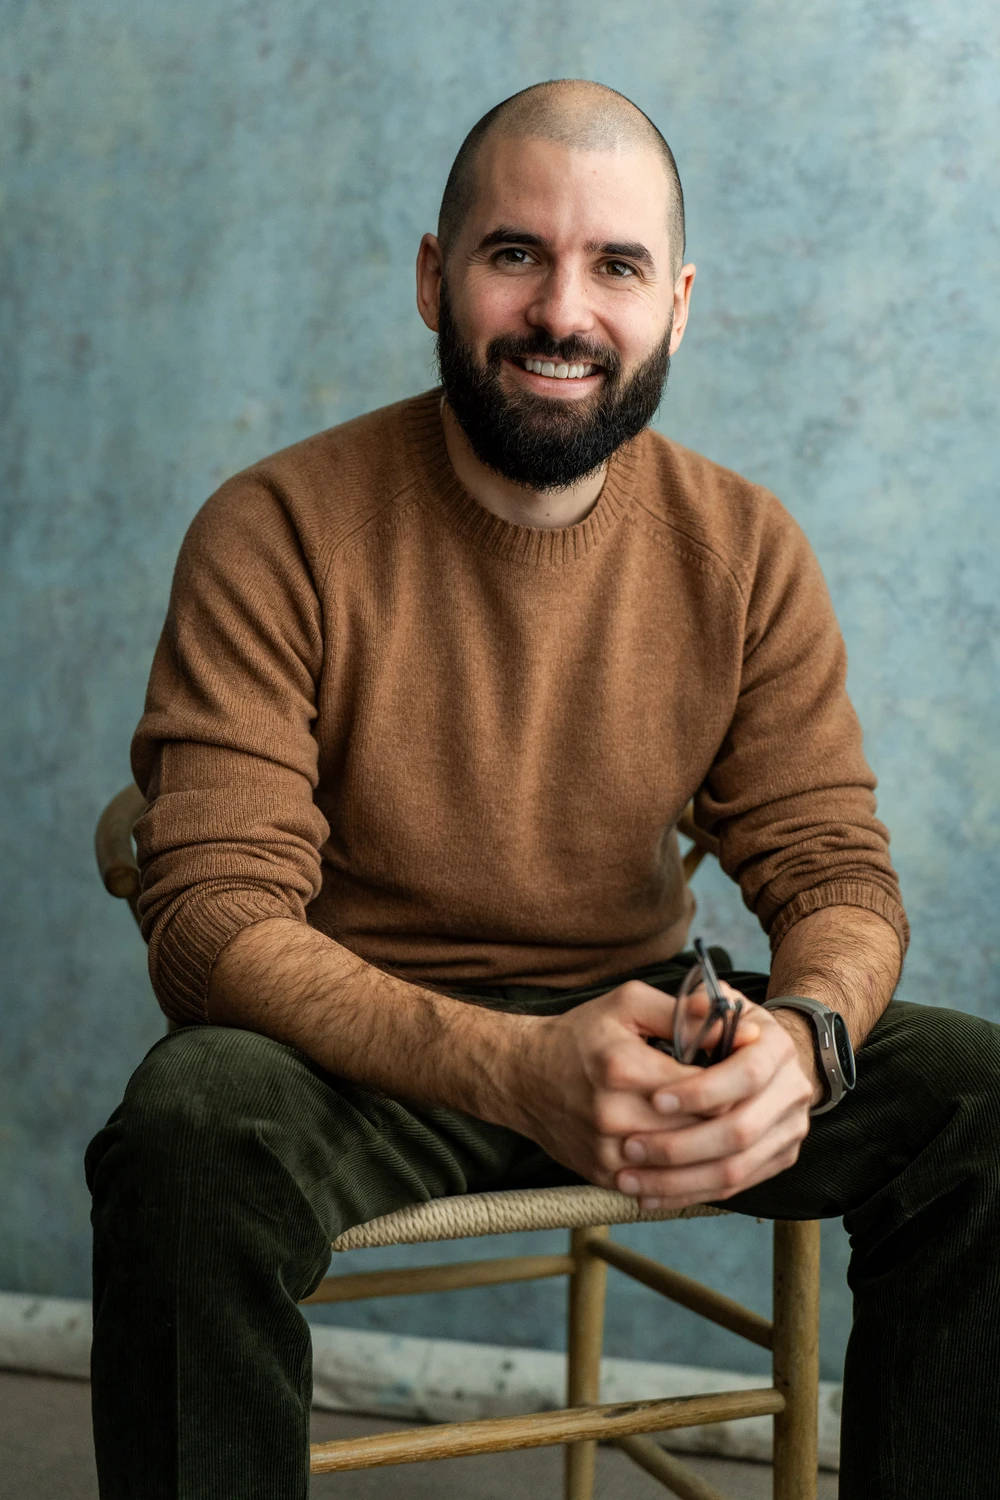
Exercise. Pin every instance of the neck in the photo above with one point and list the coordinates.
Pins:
(549, 509)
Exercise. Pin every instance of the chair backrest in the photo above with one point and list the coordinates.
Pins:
(702, 843)
(115, 847)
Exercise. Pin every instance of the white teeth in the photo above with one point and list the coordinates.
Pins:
(557, 372)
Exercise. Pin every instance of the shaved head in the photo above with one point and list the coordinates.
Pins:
(575, 113)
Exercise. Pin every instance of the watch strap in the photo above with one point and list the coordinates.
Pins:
(823, 1020)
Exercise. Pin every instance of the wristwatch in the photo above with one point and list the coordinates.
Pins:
(834, 1053)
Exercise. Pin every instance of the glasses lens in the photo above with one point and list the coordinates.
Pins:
(699, 1027)
(705, 1019)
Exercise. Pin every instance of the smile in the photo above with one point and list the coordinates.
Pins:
(558, 372)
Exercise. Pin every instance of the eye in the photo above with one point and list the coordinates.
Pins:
(619, 269)
(512, 255)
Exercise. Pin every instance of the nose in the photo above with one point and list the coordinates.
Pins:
(561, 304)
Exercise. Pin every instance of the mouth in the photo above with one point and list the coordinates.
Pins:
(554, 371)
(572, 375)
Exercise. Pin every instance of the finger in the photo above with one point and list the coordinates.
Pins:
(774, 1113)
(649, 1011)
(611, 1155)
(747, 1071)
(748, 1026)
(683, 1198)
(642, 1010)
(625, 1113)
(708, 1181)
(626, 1064)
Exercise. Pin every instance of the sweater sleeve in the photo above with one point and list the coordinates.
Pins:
(790, 795)
(225, 753)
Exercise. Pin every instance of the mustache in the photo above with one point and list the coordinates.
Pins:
(569, 351)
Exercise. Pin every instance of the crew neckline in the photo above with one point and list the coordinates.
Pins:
(528, 544)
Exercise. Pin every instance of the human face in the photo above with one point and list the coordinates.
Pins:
(534, 441)
(564, 256)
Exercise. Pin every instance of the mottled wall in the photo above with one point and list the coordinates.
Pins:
(208, 223)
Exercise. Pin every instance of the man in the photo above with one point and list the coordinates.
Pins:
(433, 691)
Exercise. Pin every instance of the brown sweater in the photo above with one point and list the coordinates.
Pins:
(460, 747)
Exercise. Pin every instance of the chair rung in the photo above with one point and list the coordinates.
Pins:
(443, 1278)
(571, 1425)
(691, 1294)
(684, 1482)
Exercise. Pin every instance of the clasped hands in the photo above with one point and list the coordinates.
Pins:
(626, 1115)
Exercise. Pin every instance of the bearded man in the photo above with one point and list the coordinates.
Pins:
(434, 689)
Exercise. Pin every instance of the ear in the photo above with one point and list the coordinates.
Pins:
(430, 268)
(682, 304)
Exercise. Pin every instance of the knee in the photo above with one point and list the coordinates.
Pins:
(948, 1063)
(200, 1161)
(961, 1054)
(209, 1075)
(199, 1091)
(970, 1068)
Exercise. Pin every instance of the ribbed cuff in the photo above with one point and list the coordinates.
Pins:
(871, 898)
(183, 950)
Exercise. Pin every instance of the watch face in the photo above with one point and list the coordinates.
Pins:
(845, 1052)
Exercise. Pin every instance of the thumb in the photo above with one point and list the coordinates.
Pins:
(647, 1011)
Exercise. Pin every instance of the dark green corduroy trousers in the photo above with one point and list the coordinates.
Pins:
(233, 1161)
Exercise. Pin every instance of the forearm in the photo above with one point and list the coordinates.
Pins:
(845, 956)
(292, 983)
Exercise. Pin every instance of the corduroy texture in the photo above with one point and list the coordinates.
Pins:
(464, 744)
(233, 1162)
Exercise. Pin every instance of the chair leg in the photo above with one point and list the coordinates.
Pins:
(586, 1332)
(796, 1358)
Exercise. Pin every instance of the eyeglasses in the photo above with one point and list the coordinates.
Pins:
(705, 1019)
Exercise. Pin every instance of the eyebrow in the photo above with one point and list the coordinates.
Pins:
(504, 234)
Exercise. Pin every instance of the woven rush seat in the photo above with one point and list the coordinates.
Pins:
(469, 1215)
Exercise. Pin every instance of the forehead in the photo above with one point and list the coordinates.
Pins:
(569, 195)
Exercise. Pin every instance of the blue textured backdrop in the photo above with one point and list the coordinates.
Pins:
(209, 219)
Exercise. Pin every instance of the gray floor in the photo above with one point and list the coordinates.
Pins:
(45, 1452)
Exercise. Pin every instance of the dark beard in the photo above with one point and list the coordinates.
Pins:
(539, 441)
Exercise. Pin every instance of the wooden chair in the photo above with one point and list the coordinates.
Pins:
(587, 1212)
